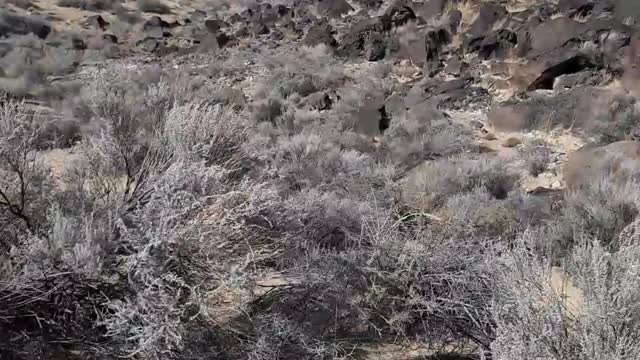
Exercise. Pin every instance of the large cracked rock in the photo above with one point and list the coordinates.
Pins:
(487, 15)
(562, 46)
(553, 34)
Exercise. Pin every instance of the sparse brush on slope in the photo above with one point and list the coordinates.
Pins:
(185, 227)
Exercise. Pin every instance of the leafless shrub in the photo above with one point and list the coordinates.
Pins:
(307, 71)
(267, 110)
(454, 284)
(172, 247)
(208, 132)
(295, 121)
(356, 96)
(477, 214)
(23, 183)
(599, 210)
(145, 163)
(621, 122)
(277, 336)
(49, 283)
(431, 184)
(350, 258)
(411, 141)
(567, 312)
(537, 158)
(169, 162)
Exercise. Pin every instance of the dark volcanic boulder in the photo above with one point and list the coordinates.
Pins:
(265, 13)
(553, 34)
(368, 119)
(576, 7)
(235, 18)
(333, 8)
(156, 27)
(488, 14)
(214, 41)
(5, 48)
(571, 65)
(455, 66)
(492, 45)
(582, 78)
(276, 35)
(400, 14)
(148, 44)
(293, 28)
(434, 42)
(214, 25)
(14, 24)
(96, 22)
(562, 34)
(320, 34)
(196, 16)
(78, 44)
(155, 21)
(283, 11)
(110, 38)
(243, 31)
(318, 101)
(376, 47)
(455, 17)
(353, 42)
(564, 46)
(259, 29)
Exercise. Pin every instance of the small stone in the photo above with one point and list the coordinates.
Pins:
(490, 136)
(477, 124)
(148, 44)
(318, 101)
(485, 149)
(512, 142)
(97, 22)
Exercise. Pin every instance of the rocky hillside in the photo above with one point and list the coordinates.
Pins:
(319, 179)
